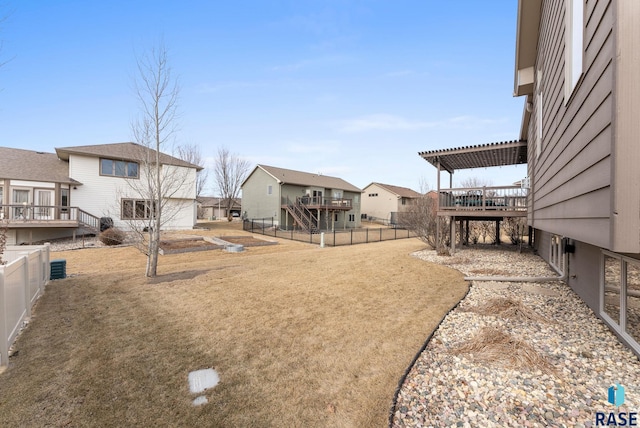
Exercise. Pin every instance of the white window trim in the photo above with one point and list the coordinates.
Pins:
(574, 45)
(620, 325)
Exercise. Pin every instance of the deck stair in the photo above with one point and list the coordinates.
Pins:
(302, 215)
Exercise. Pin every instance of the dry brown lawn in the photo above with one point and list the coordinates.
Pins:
(300, 335)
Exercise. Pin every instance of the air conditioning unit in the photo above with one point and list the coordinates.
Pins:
(58, 269)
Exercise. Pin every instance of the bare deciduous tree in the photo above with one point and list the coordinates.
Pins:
(191, 153)
(157, 92)
(422, 218)
(229, 171)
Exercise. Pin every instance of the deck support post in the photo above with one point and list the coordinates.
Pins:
(452, 235)
(466, 234)
(437, 209)
(497, 232)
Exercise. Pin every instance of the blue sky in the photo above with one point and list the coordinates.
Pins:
(353, 89)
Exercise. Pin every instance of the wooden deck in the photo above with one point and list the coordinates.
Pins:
(25, 216)
(324, 204)
(483, 202)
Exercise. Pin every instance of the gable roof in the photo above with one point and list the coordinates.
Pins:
(289, 176)
(19, 164)
(403, 192)
(122, 151)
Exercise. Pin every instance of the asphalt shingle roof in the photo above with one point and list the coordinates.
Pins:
(19, 164)
(122, 151)
(307, 179)
(404, 192)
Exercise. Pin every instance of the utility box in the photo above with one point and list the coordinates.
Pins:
(58, 269)
(105, 223)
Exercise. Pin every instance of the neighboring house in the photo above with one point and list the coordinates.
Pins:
(35, 189)
(210, 208)
(387, 203)
(577, 64)
(295, 199)
(47, 196)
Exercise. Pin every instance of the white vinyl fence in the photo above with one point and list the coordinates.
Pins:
(22, 281)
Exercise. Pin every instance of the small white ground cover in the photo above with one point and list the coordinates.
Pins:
(201, 380)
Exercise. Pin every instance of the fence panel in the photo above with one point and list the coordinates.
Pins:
(22, 281)
(35, 278)
(14, 308)
(332, 238)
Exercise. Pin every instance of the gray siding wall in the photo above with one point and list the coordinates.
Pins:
(584, 268)
(256, 202)
(626, 171)
(571, 178)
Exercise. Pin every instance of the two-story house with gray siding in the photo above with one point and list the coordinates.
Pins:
(577, 64)
(300, 200)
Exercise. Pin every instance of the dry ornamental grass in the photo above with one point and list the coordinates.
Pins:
(301, 336)
(492, 346)
(507, 308)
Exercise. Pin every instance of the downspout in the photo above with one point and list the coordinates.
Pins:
(563, 276)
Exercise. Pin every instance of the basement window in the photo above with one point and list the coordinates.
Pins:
(620, 295)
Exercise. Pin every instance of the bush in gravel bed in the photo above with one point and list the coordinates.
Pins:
(112, 236)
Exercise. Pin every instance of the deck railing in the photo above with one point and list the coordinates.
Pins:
(498, 198)
(37, 213)
(321, 201)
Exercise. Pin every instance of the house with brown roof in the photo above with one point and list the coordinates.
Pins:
(300, 200)
(47, 196)
(211, 207)
(386, 203)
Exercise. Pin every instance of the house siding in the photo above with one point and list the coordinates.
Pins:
(626, 157)
(571, 177)
(256, 202)
(380, 206)
(100, 195)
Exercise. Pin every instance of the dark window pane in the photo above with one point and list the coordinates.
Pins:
(106, 167)
(612, 288)
(127, 209)
(633, 301)
(141, 209)
(132, 169)
(121, 168)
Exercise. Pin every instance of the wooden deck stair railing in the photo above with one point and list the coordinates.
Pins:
(302, 215)
(88, 221)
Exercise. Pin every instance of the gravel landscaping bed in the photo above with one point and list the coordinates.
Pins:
(577, 357)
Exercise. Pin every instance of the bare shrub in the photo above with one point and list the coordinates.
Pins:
(112, 236)
(514, 228)
(492, 346)
(423, 220)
